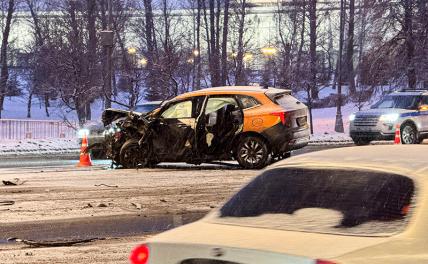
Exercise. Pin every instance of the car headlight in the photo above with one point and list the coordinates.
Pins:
(390, 118)
(111, 131)
(82, 132)
(352, 117)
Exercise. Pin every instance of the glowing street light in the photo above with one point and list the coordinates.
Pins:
(196, 53)
(132, 51)
(247, 57)
(190, 61)
(269, 51)
(143, 62)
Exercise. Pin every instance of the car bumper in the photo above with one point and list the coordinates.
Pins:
(285, 139)
(380, 131)
(372, 135)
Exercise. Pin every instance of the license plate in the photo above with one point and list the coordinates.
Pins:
(302, 121)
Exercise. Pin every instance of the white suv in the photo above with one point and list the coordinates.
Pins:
(407, 108)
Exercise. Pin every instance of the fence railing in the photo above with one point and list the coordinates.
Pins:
(15, 129)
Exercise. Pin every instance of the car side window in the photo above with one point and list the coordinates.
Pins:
(179, 110)
(247, 101)
(424, 100)
(215, 103)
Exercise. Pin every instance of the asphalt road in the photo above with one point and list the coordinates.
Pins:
(118, 226)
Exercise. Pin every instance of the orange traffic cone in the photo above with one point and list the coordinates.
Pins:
(85, 157)
(397, 135)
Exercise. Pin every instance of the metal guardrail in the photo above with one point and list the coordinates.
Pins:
(16, 129)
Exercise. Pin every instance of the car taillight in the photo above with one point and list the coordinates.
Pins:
(140, 255)
(281, 115)
(321, 261)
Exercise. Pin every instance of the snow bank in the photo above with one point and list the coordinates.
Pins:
(330, 139)
(39, 147)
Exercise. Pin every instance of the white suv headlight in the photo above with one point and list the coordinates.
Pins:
(390, 118)
(352, 117)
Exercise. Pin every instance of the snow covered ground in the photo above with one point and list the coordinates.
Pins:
(38, 147)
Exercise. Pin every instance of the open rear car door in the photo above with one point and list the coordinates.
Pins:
(223, 120)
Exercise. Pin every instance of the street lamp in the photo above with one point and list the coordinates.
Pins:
(247, 57)
(143, 62)
(269, 51)
(132, 51)
(196, 52)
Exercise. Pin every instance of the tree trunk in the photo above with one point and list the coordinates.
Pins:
(214, 58)
(152, 93)
(409, 42)
(224, 43)
(301, 44)
(361, 39)
(198, 47)
(46, 97)
(339, 121)
(4, 73)
(92, 52)
(240, 71)
(313, 47)
(350, 48)
(30, 99)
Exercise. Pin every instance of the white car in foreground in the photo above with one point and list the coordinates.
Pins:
(352, 205)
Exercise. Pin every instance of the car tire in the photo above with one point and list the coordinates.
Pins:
(409, 134)
(130, 154)
(361, 141)
(252, 153)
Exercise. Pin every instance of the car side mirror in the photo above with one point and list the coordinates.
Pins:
(423, 108)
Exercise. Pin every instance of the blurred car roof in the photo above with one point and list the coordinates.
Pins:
(409, 160)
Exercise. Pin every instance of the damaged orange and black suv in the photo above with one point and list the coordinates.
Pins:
(252, 125)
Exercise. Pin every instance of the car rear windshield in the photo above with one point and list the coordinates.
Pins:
(409, 102)
(286, 100)
(351, 202)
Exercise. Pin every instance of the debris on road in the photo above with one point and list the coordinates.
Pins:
(106, 185)
(137, 205)
(102, 205)
(15, 182)
(163, 200)
(59, 243)
(88, 206)
(6, 203)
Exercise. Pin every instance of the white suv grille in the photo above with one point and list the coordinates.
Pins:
(366, 121)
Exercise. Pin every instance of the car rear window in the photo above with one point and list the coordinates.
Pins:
(352, 202)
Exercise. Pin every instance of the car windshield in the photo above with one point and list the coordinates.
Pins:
(349, 202)
(397, 101)
(146, 108)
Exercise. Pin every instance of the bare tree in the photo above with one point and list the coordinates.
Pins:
(350, 48)
(224, 64)
(4, 73)
(339, 121)
(239, 73)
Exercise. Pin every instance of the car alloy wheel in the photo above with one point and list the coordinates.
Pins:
(409, 135)
(252, 153)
